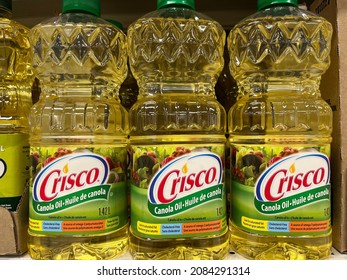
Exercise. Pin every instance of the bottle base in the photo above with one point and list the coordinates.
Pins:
(261, 247)
(102, 247)
(214, 248)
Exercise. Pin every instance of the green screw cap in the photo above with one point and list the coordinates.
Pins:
(165, 3)
(7, 4)
(82, 6)
(262, 4)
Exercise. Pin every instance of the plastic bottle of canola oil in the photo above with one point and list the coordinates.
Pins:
(78, 137)
(280, 133)
(16, 78)
(177, 135)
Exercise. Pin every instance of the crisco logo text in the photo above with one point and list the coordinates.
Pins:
(185, 175)
(291, 183)
(293, 175)
(55, 183)
(69, 174)
(174, 183)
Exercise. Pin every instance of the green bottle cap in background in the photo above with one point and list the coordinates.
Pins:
(6, 4)
(262, 4)
(116, 23)
(187, 3)
(86, 6)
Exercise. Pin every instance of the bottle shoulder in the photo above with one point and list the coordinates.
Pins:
(11, 30)
(14, 41)
(176, 50)
(7, 23)
(176, 13)
(280, 43)
(282, 13)
(79, 47)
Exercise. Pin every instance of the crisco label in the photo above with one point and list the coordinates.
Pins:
(14, 169)
(78, 190)
(295, 181)
(281, 190)
(177, 191)
(71, 174)
(185, 183)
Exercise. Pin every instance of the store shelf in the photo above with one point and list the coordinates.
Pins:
(335, 255)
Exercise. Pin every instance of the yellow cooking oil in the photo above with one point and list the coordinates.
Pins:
(16, 78)
(177, 136)
(280, 134)
(78, 205)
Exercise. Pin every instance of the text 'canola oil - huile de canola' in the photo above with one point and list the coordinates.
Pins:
(177, 135)
(78, 137)
(280, 134)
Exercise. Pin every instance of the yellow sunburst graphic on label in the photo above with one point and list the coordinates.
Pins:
(292, 168)
(185, 169)
(66, 168)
